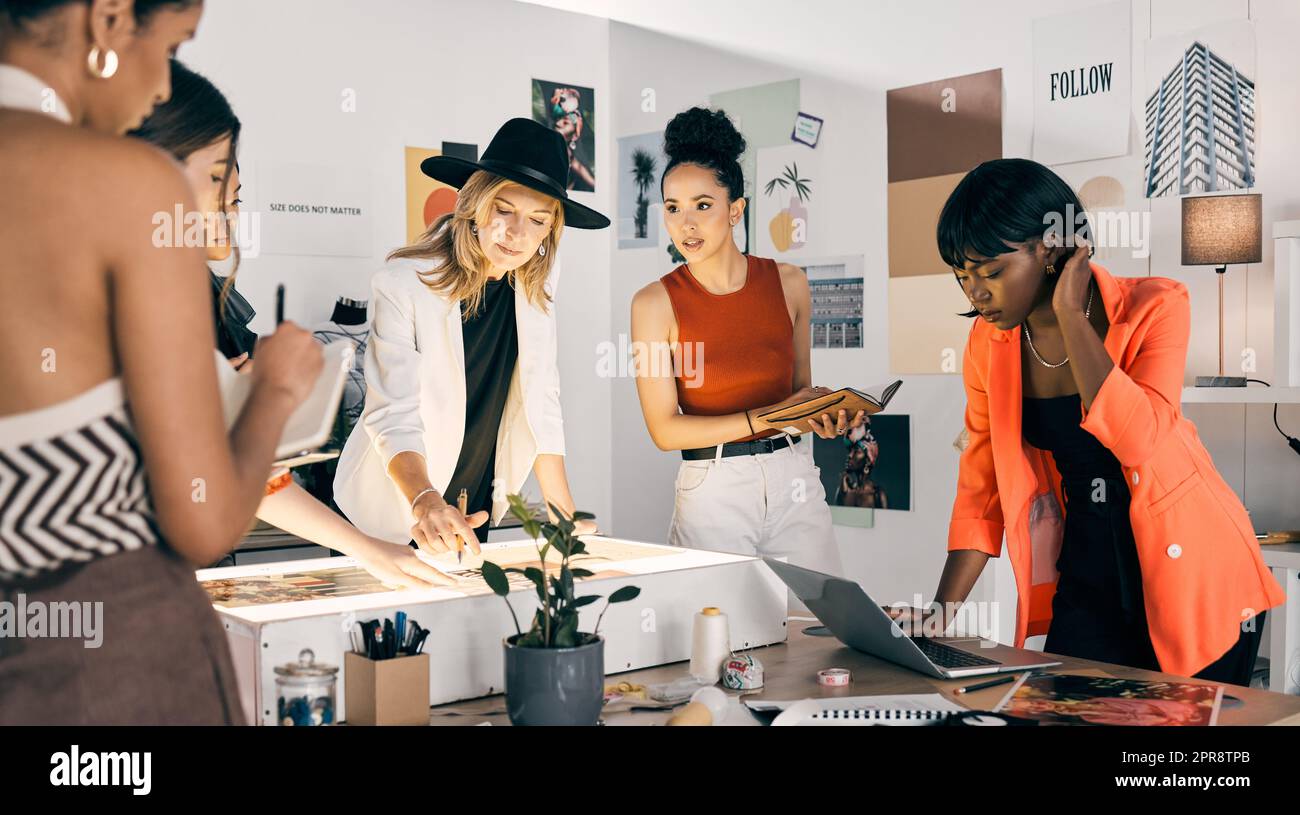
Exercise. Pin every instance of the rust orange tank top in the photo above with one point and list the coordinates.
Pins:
(742, 341)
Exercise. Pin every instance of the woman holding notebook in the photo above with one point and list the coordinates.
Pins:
(1127, 545)
(197, 126)
(741, 487)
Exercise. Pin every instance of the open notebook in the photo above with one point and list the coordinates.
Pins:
(310, 425)
(793, 419)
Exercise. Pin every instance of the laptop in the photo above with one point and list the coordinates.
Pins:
(859, 622)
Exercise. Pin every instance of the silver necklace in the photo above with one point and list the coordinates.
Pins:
(1087, 312)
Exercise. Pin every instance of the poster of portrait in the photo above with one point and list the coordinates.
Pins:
(869, 468)
(1082, 84)
(570, 110)
(641, 162)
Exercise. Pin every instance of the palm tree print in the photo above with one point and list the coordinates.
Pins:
(790, 178)
(643, 173)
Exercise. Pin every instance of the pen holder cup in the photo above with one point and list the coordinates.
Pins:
(386, 691)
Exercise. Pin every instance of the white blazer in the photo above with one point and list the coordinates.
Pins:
(415, 399)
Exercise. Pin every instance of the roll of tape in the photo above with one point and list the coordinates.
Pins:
(834, 677)
(742, 672)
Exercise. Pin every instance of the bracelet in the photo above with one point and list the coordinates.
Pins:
(278, 483)
(420, 495)
(750, 423)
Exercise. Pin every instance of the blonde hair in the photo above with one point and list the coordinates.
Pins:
(460, 269)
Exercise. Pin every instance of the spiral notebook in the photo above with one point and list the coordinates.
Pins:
(903, 709)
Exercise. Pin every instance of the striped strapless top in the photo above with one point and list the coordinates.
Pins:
(72, 484)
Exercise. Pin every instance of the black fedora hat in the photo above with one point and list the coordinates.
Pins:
(525, 152)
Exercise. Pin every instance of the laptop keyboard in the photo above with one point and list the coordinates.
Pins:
(945, 656)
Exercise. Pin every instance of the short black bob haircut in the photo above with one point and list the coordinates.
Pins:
(1003, 202)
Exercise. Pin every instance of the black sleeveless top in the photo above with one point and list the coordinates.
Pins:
(491, 350)
(1098, 565)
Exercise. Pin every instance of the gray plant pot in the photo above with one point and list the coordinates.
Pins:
(555, 686)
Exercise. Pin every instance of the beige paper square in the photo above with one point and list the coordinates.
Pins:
(914, 208)
(925, 334)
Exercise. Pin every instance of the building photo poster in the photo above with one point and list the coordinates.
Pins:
(1083, 79)
(1211, 70)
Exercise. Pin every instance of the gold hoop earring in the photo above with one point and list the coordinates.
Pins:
(110, 63)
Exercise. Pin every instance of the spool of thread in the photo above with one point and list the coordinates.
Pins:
(834, 677)
(710, 644)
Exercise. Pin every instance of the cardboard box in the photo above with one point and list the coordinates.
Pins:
(386, 691)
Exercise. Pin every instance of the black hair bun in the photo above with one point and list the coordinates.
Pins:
(700, 133)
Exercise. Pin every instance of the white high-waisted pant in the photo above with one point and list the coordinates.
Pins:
(769, 505)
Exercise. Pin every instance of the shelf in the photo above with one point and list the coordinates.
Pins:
(1251, 395)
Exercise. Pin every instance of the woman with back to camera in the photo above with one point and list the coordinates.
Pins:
(117, 475)
(739, 488)
(1127, 545)
(197, 126)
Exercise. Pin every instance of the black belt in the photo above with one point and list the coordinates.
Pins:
(742, 448)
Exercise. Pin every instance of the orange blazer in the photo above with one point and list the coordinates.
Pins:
(1202, 573)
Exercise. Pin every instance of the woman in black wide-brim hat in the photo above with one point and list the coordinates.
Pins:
(463, 387)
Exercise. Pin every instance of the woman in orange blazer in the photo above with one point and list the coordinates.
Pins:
(1126, 544)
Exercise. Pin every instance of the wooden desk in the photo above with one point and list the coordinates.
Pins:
(790, 672)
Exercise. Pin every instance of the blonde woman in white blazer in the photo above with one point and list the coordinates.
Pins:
(443, 322)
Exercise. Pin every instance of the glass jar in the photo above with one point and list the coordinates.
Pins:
(306, 691)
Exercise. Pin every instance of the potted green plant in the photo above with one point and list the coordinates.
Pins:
(555, 674)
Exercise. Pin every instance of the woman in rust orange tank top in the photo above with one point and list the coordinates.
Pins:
(719, 340)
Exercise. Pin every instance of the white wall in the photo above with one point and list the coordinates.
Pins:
(423, 72)
(870, 48)
(439, 70)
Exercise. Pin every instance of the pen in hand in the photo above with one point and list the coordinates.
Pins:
(462, 504)
(279, 304)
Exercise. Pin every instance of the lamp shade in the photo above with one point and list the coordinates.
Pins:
(1222, 229)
